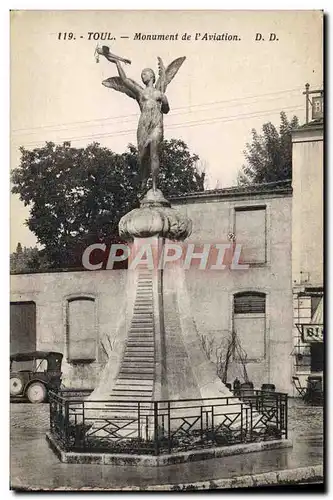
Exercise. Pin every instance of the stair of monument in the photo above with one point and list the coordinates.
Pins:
(145, 329)
(135, 379)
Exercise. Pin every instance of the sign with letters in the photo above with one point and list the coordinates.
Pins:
(312, 332)
(317, 107)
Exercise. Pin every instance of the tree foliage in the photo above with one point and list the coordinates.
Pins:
(27, 259)
(269, 156)
(77, 196)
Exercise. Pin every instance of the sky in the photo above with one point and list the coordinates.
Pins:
(223, 90)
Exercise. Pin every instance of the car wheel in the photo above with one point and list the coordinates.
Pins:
(36, 392)
(16, 386)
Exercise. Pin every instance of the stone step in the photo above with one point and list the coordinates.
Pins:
(144, 389)
(137, 321)
(145, 332)
(138, 358)
(143, 310)
(136, 397)
(142, 332)
(143, 376)
(140, 313)
(119, 393)
(136, 369)
(138, 362)
(138, 394)
(143, 343)
(143, 325)
(134, 383)
(125, 410)
(141, 340)
(139, 349)
(141, 335)
(139, 355)
(137, 365)
(126, 413)
(141, 319)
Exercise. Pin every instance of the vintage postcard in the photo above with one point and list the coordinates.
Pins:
(167, 292)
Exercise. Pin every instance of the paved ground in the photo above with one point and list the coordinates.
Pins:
(33, 464)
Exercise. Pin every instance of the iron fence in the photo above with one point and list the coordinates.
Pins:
(159, 427)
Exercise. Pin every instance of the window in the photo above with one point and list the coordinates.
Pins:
(249, 323)
(81, 330)
(22, 326)
(250, 231)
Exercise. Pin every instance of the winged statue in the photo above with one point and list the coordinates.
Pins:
(153, 104)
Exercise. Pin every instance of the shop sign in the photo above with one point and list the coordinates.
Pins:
(312, 333)
(317, 108)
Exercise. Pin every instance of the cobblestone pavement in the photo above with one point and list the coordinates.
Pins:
(34, 465)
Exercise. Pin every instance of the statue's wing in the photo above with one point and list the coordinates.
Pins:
(116, 83)
(169, 73)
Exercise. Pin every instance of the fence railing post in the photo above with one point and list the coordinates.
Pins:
(286, 415)
(251, 429)
(242, 430)
(277, 409)
(169, 428)
(212, 419)
(66, 424)
(51, 409)
(156, 436)
(139, 423)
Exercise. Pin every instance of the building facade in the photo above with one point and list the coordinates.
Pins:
(78, 313)
(308, 251)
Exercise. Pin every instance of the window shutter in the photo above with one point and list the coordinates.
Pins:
(81, 329)
(249, 302)
(250, 231)
(249, 323)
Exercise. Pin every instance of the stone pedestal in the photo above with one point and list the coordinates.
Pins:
(157, 353)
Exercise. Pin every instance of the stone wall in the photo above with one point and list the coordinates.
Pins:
(50, 292)
(210, 293)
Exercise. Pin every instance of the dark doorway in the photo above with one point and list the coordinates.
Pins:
(317, 357)
(22, 327)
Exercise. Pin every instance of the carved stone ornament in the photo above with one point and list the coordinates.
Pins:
(155, 217)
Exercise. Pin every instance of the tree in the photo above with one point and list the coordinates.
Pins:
(29, 259)
(78, 195)
(269, 156)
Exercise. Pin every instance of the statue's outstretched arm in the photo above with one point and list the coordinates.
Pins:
(130, 84)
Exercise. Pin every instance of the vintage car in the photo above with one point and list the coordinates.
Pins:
(33, 374)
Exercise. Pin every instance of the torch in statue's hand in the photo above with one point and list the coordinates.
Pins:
(105, 51)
